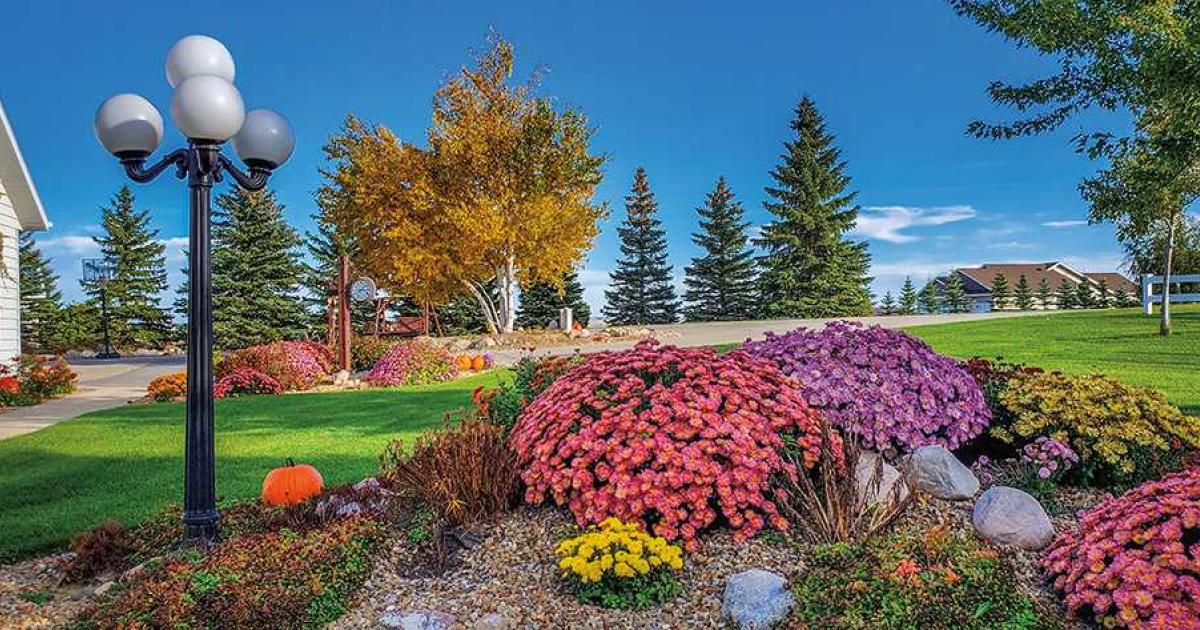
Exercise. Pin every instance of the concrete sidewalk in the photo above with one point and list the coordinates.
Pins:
(101, 385)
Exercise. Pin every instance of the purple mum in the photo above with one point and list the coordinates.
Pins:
(889, 387)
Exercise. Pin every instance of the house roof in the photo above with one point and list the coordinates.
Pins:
(1115, 281)
(1053, 272)
(18, 185)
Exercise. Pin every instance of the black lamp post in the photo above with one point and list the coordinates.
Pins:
(208, 110)
(98, 271)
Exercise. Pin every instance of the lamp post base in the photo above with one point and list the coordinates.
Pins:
(200, 528)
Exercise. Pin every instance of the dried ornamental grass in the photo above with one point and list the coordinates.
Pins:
(672, 438)
(887, 386)
(1134, 559)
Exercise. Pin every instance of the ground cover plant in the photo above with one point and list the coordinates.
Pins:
(413, 363)
(938, 579)
(885, 385)
(617, 565)
(1118, 433)
(1131, 561)
(67, 478)
(1121, 343)
(672, 438)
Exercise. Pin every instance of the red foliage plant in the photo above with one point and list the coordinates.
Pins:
(671, 437)
(246, 381)
(1132, 562)
(293, 364)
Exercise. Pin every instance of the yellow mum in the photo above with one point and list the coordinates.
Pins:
(617, 549)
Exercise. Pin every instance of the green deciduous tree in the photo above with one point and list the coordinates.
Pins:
(908, 297)
(541, 301)
(809, 268)
(1001, 292)
(131, 246)
(642, 291)
(720, 283)
(41, 301)
(1024, 294)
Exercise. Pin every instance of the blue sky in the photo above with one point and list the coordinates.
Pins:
(690, 90)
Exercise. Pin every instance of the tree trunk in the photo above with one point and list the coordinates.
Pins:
(508, 304)
(485, 304)
(1164, 325)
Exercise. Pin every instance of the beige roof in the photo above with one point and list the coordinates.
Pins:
(18, 185)
(1054, 273)
(1115, 281)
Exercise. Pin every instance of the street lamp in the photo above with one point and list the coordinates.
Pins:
(208, 110)
(97, 272)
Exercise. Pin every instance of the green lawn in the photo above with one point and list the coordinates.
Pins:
(127, 463)
(1123, 344)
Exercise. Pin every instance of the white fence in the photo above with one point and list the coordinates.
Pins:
(1149, 298)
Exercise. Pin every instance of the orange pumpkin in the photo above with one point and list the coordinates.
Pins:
(477, 363)
(291, 484)
(463, 361)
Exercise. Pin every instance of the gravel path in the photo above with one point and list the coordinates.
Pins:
(30, 596)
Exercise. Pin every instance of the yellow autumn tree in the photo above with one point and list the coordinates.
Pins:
(502, 190)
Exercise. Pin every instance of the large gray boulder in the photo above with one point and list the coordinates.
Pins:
(936, 470)
(1009, 516)
(756, 599)
(879, 491)
(417, 620)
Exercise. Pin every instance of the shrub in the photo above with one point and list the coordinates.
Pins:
(668, 437)
(34, 380)
(413, 363)
(1132, 561)
(279, 579)
(463, 472)
(106, 547)
(620, 566)
(367, 350)
(887, 386)
(168, 387)
(936, 580)
(1119, 432)
(295, 365)
(530, 377)
(246, 381)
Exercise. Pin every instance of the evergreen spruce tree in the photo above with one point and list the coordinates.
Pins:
(325, 247)
(1104, 297)
(908, 297)
(954, 294)
(720, 284)
(1122, 298)
(1084, 297)
(1001, 292)
(541, 301)
(1023, 294)
(641, 291)
(131, 246)
(888, 305)
(256, 272)
(1064, 298)
(41, 301)
(1045, 297)
(809, 269)
(928, 299)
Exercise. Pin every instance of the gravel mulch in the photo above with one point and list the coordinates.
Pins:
(512, 571)
(31, 596)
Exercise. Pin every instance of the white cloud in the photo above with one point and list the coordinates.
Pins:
(73, 244)
(917, 269)
(886, 223)
(1064, 223)
(1010, 245)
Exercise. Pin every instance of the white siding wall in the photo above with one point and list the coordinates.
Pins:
(10, 289)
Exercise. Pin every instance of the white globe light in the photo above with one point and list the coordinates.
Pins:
(207, 107)
(195, 55)
(129, 125)
(266, 138)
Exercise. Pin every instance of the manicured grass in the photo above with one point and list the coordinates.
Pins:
(1124, 344)
(127, 463)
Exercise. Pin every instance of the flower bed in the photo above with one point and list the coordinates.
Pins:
(245, 381)
(34, 380)
(887, 386)
(168, 387)
(413, 363)
(295, 365)
(673, 438)
(1132, 561)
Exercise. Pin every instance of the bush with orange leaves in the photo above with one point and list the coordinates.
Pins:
(168, 387)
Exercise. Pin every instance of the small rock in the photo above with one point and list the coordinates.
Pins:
(104, 589)
(493, 621)
(460, 345)
(756, 599)
(885, 488)
(368, 483)
(418, 620)
(1009, 516)
(937, 471)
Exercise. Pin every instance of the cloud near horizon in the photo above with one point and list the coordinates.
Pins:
(1064, 223)
(887, 223)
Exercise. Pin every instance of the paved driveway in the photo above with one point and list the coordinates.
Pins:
(102, 385)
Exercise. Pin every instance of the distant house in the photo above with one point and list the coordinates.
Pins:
(20, 210)
(978, 282)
